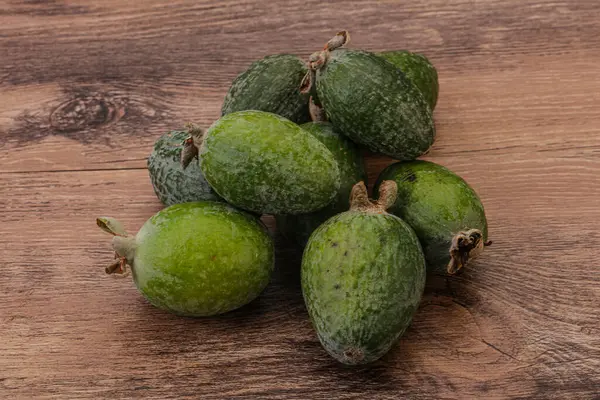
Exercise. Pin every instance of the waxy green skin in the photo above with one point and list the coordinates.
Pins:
(375, 104)
(272, 85)
(352, 170)
(172, 184)
(202, 259)
(437, 204)
(264, 163)
(419, 70)
(363, 276)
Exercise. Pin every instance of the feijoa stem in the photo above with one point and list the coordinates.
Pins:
(318, 59)
(339, 40)
(359, 198)
(317, 114)
(466, 245)
(123, 244)
(111, 225)
(191, 145)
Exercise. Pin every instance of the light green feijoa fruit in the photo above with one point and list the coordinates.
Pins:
(363, 275)
(419, 70)
(265, 163)
(272, 85)
(352, 171)
(195, 259)
(372, 102)
(445, 212)
(172, 184)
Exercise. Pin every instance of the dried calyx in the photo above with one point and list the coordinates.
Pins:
(123, 244)
(318, 59)
(359, 198)
(191, 145)
(466, 245)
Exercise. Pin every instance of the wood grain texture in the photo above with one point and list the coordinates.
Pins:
(85, 89)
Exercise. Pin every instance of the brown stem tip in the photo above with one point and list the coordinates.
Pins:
(339, 40)
(111, 225)
(359, 198)
(466, 245)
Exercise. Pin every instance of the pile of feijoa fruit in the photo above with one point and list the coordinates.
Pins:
(289, 143)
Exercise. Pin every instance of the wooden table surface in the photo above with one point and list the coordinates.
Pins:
(85, 89)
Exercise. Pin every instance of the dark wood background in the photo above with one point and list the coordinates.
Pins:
(85, 89)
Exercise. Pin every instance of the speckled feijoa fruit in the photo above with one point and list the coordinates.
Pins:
(371, 101)
(363, 274)
(352, 170)
(264, 163)
(419, 70)
(172, 184)
(445, 212)
(273, 85)
(195, 259)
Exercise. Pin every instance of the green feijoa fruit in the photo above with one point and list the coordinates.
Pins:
(373, 102)
(419, 70)
(352, 170)
(272, 85)
(172, 184)
(363, 275)
(195, 259)
(267, 164)
(445, 212)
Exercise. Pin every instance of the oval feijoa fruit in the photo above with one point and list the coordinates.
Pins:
(195, 259)
(272, 85)
(419, 70)
(267, 164)
(172, 184)
(445, 212)
(352, 170)
(373, 102)
(363, 274)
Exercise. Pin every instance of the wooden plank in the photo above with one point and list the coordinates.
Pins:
(491, 331)
(86, 88)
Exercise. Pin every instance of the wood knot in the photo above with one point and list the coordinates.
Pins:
(85, 112)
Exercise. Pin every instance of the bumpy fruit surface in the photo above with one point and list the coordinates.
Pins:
(352, 171)
(195, 259)
(271, 85)
(445, 212)
(363, 274)
(373, 102)
(419, 70)
(267, 164)
(172, 184)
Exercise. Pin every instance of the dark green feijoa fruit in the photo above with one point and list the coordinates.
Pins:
(371, 101)
(352, 170)
(272, 85)
(363, 275)
(265, 163)
(172, 184)
(419, 70)
(445, 212)
(195, 259)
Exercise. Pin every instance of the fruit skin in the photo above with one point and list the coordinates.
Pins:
(199, 259)
(272, 85)
(172, 184)
(352, 170)
(264, 163)
(419, 70)
(374, 103)
(437, 204)
(363, 275)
